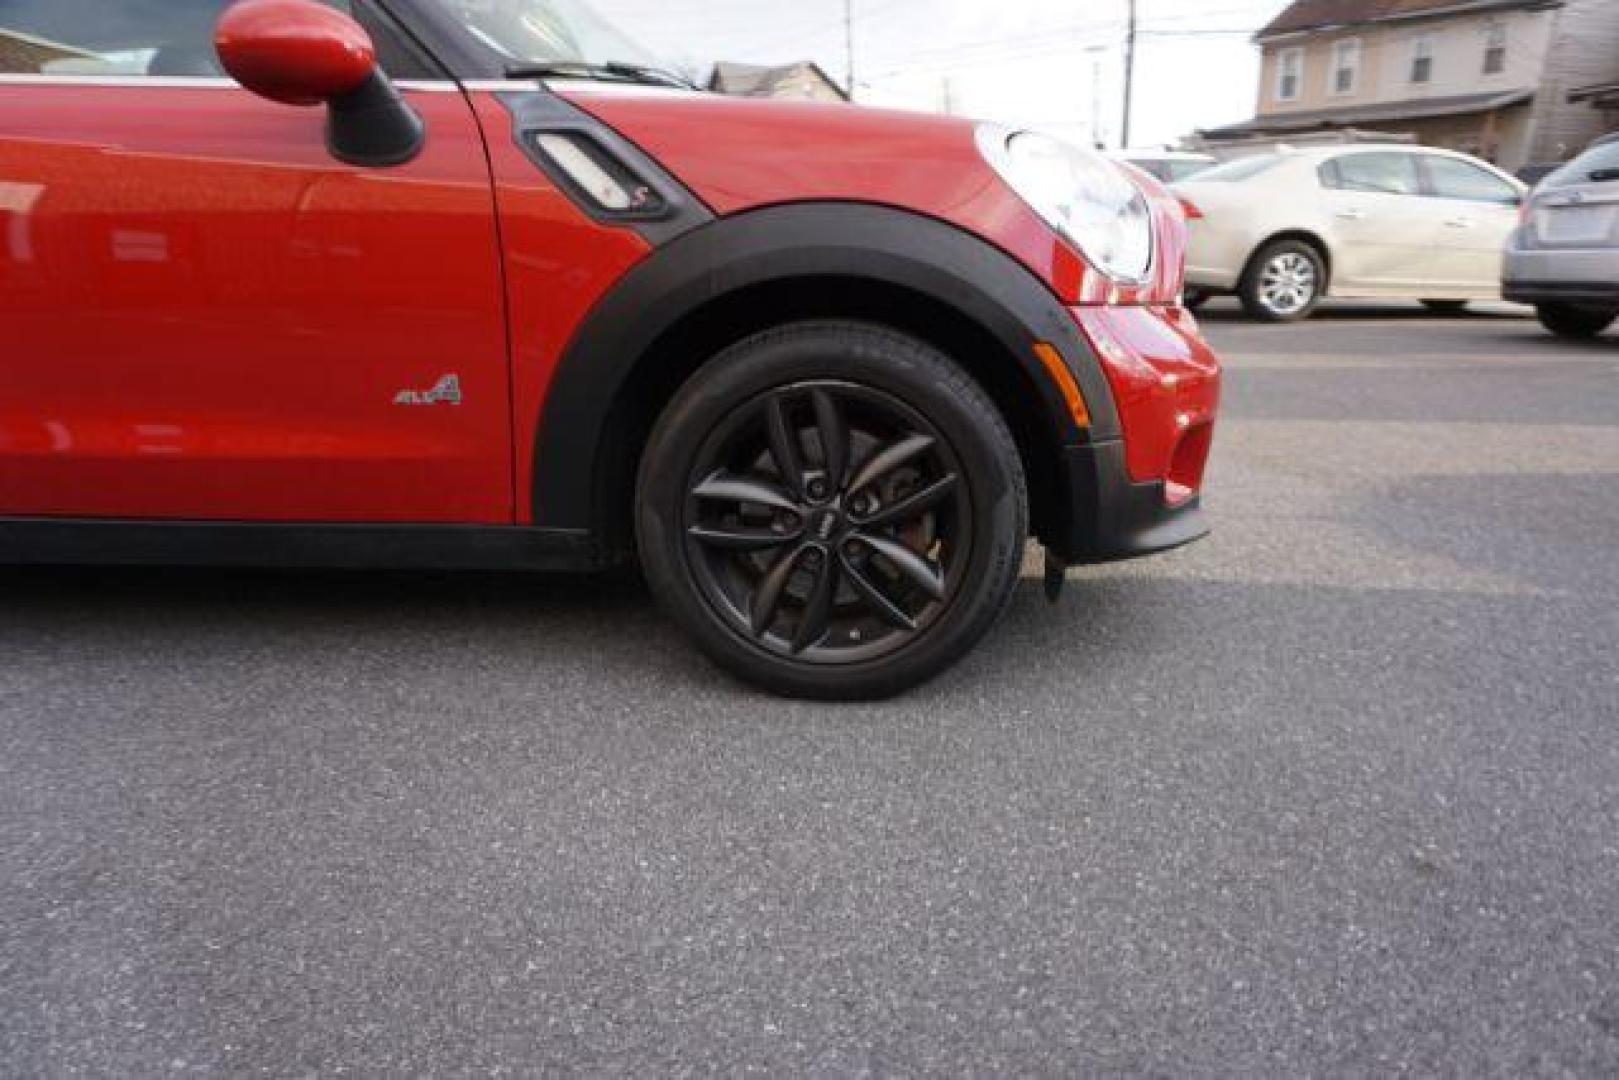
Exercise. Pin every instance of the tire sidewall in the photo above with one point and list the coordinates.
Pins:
(869, 356)
(1574, 323)
(1252, 288)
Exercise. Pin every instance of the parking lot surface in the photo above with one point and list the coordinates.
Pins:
(1334, 792)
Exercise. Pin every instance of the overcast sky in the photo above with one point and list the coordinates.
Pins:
(1051, 63)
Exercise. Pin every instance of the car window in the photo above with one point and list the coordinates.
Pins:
(1452, 179)
(1242, 169)
(1384, 173)
(1185, 170)
(1598, 165)
(544, 31)
(112, 37)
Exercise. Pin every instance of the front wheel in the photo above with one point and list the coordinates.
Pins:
(832, 511)
(1575, 323)
(1284, 282)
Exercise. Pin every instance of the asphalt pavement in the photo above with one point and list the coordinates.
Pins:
(1335, 792)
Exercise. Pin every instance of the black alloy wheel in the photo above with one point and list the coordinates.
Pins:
(833, 510)
(828, 521)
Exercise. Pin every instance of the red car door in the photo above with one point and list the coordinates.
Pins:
(204, 316)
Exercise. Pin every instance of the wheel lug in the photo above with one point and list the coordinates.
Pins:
(812, 561)
(817, 489)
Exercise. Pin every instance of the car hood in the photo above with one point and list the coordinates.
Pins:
(740, 154)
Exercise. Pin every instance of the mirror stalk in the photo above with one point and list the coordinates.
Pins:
(373, 125)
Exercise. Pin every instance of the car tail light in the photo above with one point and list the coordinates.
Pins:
(1190, 208)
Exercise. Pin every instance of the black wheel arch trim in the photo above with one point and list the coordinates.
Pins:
(851, 241)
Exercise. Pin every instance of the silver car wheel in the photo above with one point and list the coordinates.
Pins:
(1289, 283)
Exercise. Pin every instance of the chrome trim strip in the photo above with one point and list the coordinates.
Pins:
(498, 86)
(424, 86)
(428, 86)
(200, 82)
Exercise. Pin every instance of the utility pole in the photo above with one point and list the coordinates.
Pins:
(1129, 75)
(848, 42)
(1098, 55)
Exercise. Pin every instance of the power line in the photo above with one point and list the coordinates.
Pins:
(1171, 35)
(1054, 40)
(821, 27)
(1122, 28)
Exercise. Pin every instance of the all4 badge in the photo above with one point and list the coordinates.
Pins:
(446, 392)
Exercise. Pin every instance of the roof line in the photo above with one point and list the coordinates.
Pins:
(1461, 7)
(1390, 112)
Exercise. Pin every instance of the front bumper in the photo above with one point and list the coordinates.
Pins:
(1141, 493)
(1112, 518)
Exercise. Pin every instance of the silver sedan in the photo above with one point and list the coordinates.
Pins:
(1564, 258)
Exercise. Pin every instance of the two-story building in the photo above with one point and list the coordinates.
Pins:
(1497, 78)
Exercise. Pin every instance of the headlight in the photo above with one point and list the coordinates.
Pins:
(1082, 195)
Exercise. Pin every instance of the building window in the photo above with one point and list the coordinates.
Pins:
(1346, 66)
(1495, 48)
(1289, 74)
(1422, 60)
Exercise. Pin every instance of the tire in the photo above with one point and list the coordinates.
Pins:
(832, 579)
(1284, 282)
(1575, 323)
(1447, 308)
(1195, 299)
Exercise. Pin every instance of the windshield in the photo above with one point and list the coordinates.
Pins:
(528, 32)
(1243, 169)
(1600, 164)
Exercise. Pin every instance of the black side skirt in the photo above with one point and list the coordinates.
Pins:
(60, 542)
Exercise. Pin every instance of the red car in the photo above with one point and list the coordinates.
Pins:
(472, 284)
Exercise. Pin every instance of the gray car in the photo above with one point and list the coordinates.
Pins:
(1564, 258)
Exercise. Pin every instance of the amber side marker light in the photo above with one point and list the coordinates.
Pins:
(1057, 368)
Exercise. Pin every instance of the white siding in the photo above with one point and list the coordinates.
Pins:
(1549, 53)
(1458, 55)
